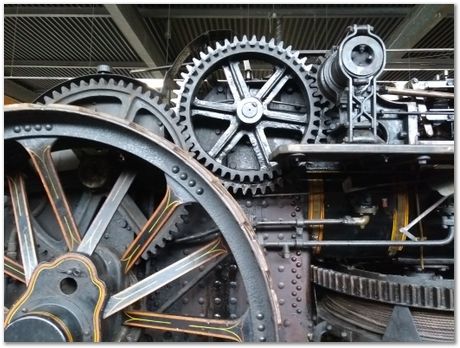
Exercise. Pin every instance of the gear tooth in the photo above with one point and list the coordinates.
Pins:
(175, 101)
(184, 75)
(195, 61)
(210, 50)
(121, 83)
(189, 68)
(271, 43)
(218, 45)
(263, 40)
(48, 100)
(203, 56)
(226, 42)
(55, 94)
(296, 54)
(111, 82)
(64, 90)
(281, 44)
(243, 40)
(303, 60)
(289, 48)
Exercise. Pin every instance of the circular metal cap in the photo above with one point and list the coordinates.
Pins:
(34, 328)
(362, 56)
(249, 110)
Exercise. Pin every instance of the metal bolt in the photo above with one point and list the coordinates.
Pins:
(183, 176)
(259, 316)
(192, 183)
(48, 127)
(17, 129)
(281, 285)
(27, 128)
(261, 327)
(280, 268)
(38, 127)
(199, 191)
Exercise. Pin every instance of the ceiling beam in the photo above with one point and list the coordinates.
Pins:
(415, 26)
(132, 26)
(55, 11)
(243, 11)
(19, 92)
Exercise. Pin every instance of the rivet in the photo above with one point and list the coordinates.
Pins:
(175, 169)
(293, 281)
(294, 293)
(281, 301)
(199, 191)
(48, 127)
(293, 214)
(329, 327)
(192, 183)
(298, 276)
(217, 315)
(299, 299)
(261, 327)
(38, 127)
(294, 259)
(233, 285)
(281, 285)
(262, 339)
(298, 264)
(233, 316)
(293, 270)
(217, 301)
(297, 208)
(248, 204)
(201, 300)
(280, 268)
(298, 310)
(280, 236)
(298, 253)
(343, 334)
(185, 300)
(298, 288)
(264, 203)
(183, 176)
(17, 129)
(27, 127)
(24, 310)
(286, 322)
(265, 236)
(233, 300)
(294, 305)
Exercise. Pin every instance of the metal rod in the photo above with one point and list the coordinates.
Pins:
(367, 243)
(346, 220)
(416, 93)
(405, 229)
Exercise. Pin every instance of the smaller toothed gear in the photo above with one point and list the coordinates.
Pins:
(239, 102)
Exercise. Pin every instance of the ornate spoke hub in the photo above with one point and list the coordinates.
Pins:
(63, 303)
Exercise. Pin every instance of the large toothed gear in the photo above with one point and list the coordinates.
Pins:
(119, 96)
(232, 121)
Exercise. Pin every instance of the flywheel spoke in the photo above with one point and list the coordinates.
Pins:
(104, 216)
(212, 114)
(226, 329)
(13, 269)
(150, 230)
(40, 153)
(23, 224)
(260, 149)
(159, 279)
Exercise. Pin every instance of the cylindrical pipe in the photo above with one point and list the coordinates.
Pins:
(367, 243)
(418, 93)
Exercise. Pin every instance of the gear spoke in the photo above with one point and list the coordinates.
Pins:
(23, 224)
(271, 83)
(159, 279)
(210, 266)
(263, 143)
(286, 116)
(151, 230)
(278, 85)
(97, 228)
(259, 151)
(231, 330)
(236, 81)
(40, 153)
(13, 269)
(231, 144)
(212, 114)
(224, 139)
(281, 125)
(214, 106)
